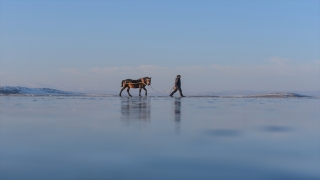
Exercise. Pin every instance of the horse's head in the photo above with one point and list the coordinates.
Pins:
(147, 80)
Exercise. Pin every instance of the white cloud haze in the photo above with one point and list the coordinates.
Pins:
(278, 74)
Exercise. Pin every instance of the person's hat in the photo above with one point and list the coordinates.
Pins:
(178, 76)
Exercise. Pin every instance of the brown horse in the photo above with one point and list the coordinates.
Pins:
(139, 83)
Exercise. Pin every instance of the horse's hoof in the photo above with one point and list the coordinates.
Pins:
(130, 96)
(120, 95)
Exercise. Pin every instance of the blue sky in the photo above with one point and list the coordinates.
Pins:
(93, 45)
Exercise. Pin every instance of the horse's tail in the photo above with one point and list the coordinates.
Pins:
(122, 83)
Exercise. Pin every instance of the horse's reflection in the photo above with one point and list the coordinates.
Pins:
(177, 114)
(135, 109)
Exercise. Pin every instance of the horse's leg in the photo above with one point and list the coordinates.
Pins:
(128, 91)
(140, 91)
(145, 90)
(122, 90)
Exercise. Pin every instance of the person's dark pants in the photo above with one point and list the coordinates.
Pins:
(175, 90)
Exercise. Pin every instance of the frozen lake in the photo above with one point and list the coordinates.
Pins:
(159, 138)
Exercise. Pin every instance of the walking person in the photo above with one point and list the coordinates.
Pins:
(177, 86)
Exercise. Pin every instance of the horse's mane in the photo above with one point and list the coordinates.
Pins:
(140, 79)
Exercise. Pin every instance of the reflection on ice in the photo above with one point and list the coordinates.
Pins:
(177, 114)
(177, 109)
(135, 108)
(223, 132)
(277, 129)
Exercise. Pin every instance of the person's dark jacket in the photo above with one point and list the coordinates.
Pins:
(177, 82)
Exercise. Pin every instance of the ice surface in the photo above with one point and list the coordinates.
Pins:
(83, 137)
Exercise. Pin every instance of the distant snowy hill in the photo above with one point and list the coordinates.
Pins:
(280, 95)
(33, 91)
(254, 94)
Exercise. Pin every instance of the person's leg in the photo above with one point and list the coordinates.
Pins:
(180, 90)
(175, 90)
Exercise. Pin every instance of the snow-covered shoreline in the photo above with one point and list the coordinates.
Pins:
(17, 90)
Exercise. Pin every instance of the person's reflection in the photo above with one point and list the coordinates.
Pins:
(177, 114)
(135, 109)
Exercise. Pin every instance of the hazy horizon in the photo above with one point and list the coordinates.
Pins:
(156, 92)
